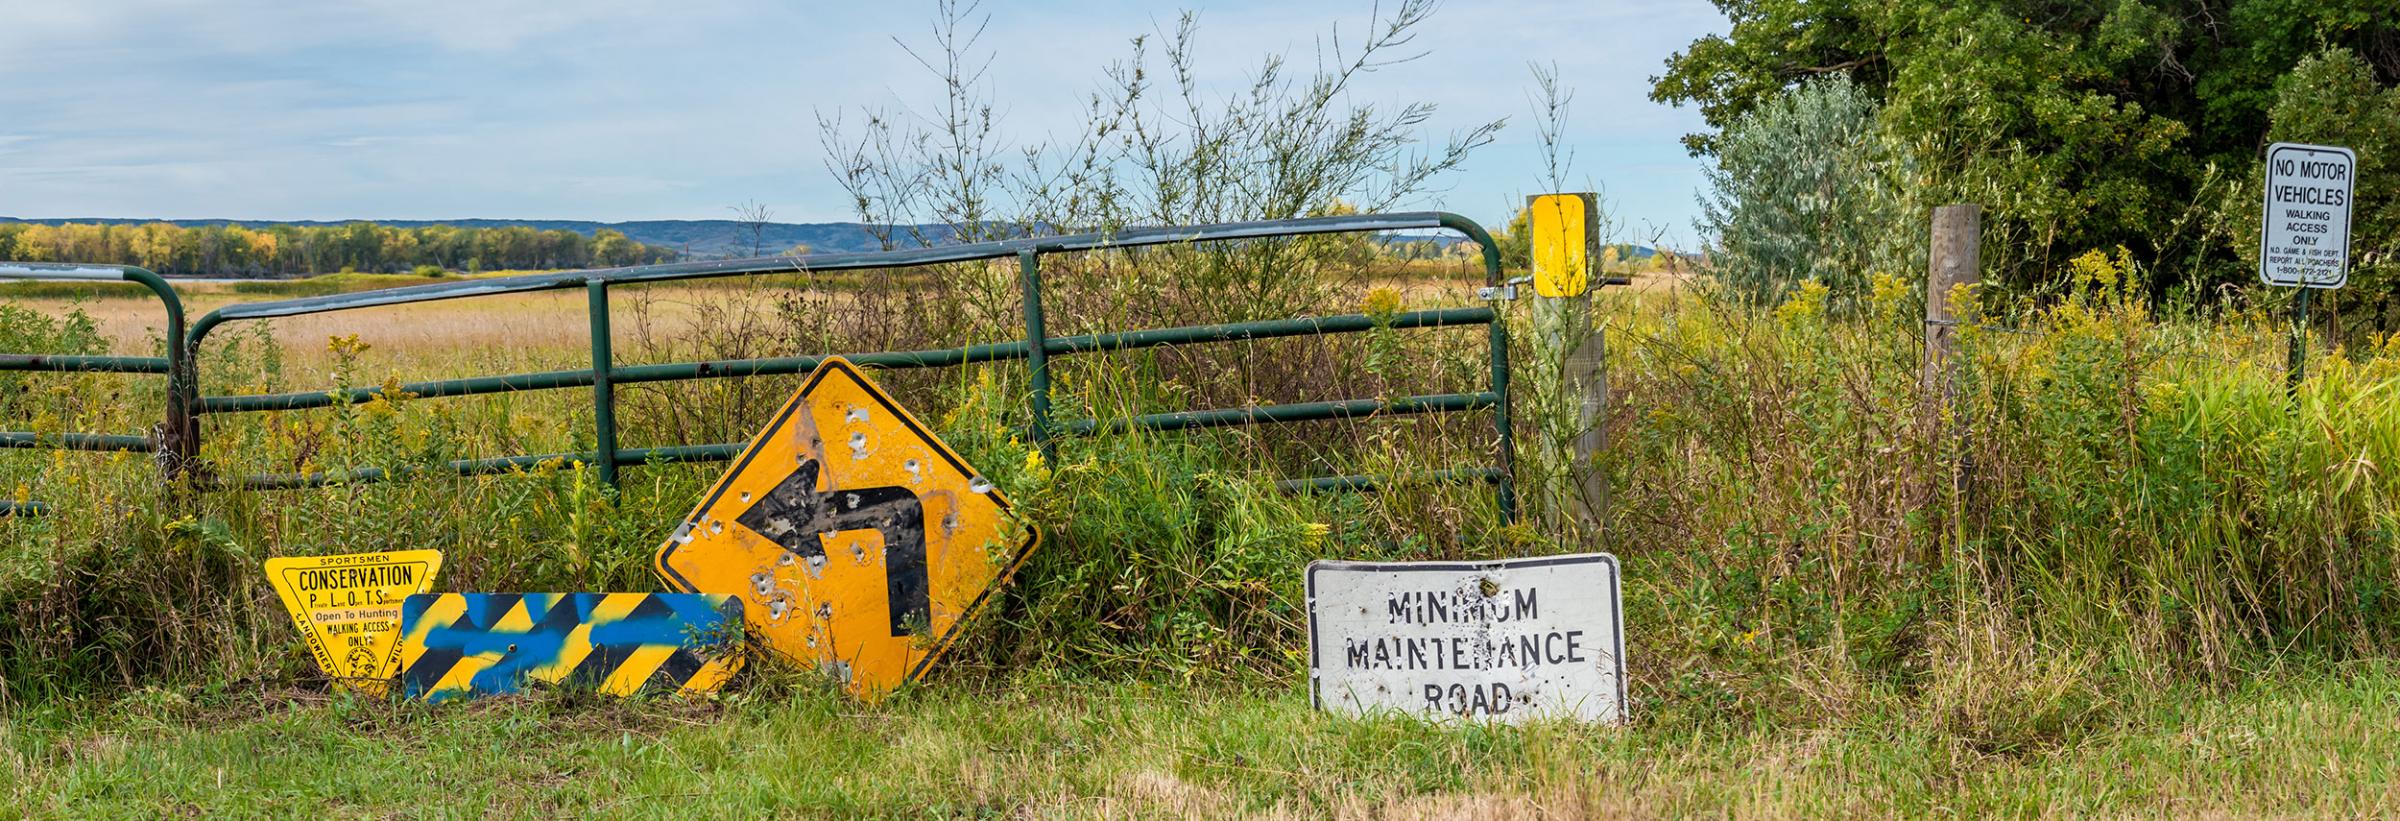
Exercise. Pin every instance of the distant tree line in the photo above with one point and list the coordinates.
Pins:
(290, 250)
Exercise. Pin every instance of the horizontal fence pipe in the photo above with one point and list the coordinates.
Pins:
(1369, 483)
(70, 363)
(773, 366)
(1267, 329)
(76, 441)
(462, 467)
(1009, 351)
(12, 507)
(65, 271)
(1295, 412)
(718, 369)
(936, 358)
(1437, 403)
(681, 453)
(545, 380)
(846, 261)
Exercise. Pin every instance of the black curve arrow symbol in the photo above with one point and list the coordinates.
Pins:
(795, 515)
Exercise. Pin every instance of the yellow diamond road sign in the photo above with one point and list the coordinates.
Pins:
(855, 539)
(348, 608)
(1561, 229)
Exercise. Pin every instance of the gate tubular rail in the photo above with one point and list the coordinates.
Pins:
(781, 365)
(175, 366)
(186, 406)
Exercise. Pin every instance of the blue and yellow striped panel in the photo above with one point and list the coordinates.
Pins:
(477, 644)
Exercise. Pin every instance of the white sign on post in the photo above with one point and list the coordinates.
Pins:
(2304, 240)
(1507, 641)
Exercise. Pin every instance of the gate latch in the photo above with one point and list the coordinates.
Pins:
(1505, 291)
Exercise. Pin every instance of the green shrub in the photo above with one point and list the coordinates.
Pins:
(1799, 193)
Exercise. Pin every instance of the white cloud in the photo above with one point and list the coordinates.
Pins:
(626, 109)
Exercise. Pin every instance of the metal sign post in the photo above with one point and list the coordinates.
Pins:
(2296, 366)
(2304, 229)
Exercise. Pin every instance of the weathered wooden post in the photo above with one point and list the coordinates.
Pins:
(1954, 260)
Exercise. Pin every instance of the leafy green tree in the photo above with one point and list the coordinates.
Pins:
(2078, 125)
(1516, 242)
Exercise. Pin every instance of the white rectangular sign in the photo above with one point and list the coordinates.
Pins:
(1507, 641)
(2304, 239)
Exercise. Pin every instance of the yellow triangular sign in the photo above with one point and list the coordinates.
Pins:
(348, 607)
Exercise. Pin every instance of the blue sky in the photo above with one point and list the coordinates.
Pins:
(675, 109)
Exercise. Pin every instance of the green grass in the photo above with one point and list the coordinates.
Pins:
(2149, 536)
(74, 289)
(2315, 742)
(326, 284)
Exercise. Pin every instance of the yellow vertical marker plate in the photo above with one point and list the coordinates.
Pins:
(348, 608)
(1560, 226)
(855, 538)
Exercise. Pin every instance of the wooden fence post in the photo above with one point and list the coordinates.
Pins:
(1954, 260)
(1951, 261)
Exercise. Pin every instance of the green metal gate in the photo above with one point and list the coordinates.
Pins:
(179, 437)
(174, 433)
